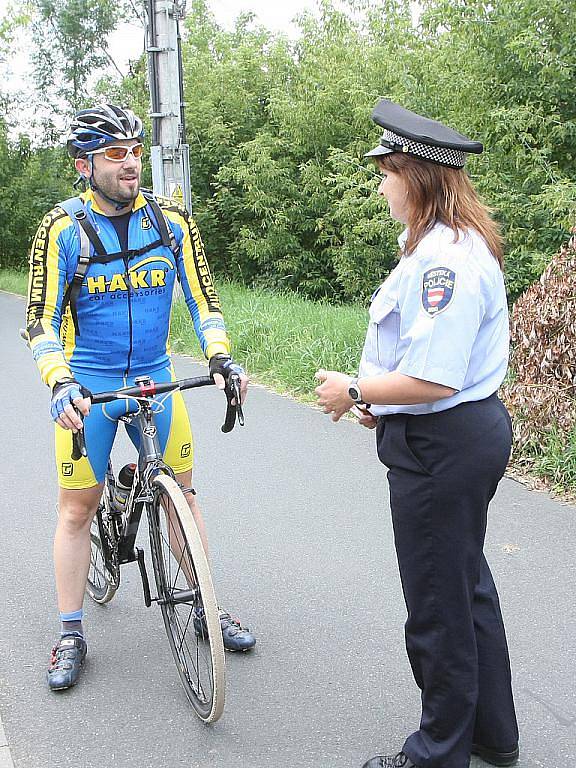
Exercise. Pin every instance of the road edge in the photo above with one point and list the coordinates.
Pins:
(5, 754)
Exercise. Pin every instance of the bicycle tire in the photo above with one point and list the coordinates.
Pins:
(104, 572)
(199, 658)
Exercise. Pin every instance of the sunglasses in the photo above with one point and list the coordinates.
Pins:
(118, 153)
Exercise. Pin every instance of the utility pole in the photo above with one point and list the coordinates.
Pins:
(170, 152)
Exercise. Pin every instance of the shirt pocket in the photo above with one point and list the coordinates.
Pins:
(385, 322)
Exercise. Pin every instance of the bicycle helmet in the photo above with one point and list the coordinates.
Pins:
(100, 125)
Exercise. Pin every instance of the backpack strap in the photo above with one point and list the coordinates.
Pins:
(162, 224)
(88, 237)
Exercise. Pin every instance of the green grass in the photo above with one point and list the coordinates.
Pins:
(281, 339)
(555, 460)
(13, 281)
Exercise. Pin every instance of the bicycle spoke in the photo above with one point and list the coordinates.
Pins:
(103, 573)
(199, 686)
(199, 658)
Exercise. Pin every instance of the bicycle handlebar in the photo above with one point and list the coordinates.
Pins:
(232, 390)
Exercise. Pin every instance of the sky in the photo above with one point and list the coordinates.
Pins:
(128, 40)
(127, 43)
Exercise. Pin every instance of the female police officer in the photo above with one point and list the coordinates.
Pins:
(435, 354)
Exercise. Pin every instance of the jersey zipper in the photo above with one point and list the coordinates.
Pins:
(129, 360)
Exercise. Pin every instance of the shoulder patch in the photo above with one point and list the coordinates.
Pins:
(437, 289)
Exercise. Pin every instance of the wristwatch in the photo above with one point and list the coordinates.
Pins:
(354, 392)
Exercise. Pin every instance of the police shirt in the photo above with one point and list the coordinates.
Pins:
(441, 316)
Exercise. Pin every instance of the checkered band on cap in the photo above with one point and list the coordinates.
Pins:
(442, 155)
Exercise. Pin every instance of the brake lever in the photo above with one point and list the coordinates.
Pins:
(234, 410)
(78, 442)
(237, 397)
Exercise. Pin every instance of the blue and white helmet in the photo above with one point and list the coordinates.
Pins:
(101, 125)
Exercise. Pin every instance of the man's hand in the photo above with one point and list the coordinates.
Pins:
(221, 366)
(66, 395)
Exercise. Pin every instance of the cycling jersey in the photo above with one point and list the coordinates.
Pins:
(124, 305)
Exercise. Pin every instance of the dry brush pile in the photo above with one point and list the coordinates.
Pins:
(541, 392)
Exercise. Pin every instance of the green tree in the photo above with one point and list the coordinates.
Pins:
(71, 45)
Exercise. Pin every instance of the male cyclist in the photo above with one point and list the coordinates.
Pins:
(100, 321)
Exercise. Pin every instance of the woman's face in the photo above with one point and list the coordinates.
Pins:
(394, 189)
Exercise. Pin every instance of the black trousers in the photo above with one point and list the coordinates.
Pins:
(443, 471)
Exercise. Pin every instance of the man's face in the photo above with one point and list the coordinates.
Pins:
(119, 180)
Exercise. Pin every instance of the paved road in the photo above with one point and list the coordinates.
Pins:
(299, 527)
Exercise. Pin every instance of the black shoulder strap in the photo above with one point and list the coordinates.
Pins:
(89, 241)
(164, 229)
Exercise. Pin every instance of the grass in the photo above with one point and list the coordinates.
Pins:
(13, 281)
(281, 339)
(555, 461)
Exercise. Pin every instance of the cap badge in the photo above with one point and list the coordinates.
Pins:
(437, 290)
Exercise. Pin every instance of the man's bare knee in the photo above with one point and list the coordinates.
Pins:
(77, 508)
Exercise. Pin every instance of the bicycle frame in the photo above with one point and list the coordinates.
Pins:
(183, 585)
(150, 460)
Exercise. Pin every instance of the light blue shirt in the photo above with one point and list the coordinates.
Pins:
(441, 316)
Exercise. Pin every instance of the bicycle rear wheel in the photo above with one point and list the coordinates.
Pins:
(104, 572)
(185, 591)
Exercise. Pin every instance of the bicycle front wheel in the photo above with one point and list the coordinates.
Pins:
(104, 571)
(186, 598)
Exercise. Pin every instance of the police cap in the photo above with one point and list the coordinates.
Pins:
(405, 131)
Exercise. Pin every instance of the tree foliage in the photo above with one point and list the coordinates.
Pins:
(70, 39)
(278, 128)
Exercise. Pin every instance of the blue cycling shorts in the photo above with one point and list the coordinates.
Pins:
(174, 433)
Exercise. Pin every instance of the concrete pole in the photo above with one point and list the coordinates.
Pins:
(170, 153)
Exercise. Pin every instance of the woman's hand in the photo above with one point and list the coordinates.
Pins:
(333, 393)
(365, 418)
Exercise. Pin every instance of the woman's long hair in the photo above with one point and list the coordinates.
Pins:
(437, 193)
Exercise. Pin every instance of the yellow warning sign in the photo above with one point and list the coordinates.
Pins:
(177, 194)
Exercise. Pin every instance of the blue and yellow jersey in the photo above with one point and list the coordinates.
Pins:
(123, 306)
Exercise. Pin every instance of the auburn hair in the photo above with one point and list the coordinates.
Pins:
(437, 193)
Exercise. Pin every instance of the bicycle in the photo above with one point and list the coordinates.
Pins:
(184, 588)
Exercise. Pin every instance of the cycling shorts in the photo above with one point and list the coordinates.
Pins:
(100, 427)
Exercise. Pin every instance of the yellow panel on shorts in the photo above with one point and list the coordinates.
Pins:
(179, 451)
(72, 475)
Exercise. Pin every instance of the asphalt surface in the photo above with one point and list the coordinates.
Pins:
(301, 545)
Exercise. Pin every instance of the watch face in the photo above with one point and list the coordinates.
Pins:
(354, 393)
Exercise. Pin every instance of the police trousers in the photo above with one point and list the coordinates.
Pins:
(443, 470)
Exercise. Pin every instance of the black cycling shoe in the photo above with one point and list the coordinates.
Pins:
(496, 756)
(234, 635)
(399, 760)
(66, 661)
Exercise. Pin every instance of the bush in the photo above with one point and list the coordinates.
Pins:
(541, 393)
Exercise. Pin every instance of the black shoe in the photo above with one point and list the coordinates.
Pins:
(496, 756)
(66, 661)
(234, 636)
(391, 761)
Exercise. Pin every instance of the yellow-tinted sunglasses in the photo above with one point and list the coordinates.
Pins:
(118, 153)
